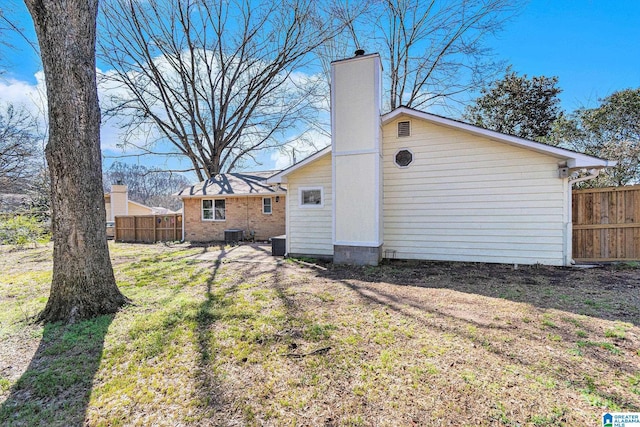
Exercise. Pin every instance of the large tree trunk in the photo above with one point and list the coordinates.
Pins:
(83, 283)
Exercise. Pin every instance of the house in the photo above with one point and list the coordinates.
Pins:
(117, 203)
(233, 201)
(412, 185)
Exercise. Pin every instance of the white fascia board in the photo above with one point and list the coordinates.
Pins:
(574, 160)
(281, 177)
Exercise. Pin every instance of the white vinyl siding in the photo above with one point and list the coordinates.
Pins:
(468, 198)
(309, 229)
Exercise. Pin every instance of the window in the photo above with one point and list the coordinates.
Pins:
(311, 197)
(404, 158)
(214, 210)
(266, 205)
(404, 128)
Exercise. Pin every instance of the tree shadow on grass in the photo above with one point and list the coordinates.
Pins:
(608, 293)
(212, 399)
(55, 388)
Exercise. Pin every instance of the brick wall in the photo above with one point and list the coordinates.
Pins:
(244, 213)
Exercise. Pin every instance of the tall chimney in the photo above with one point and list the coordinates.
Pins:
(119, 200)
(357, 159)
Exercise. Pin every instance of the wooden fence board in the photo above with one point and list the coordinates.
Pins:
(148, 228)
(606, 224)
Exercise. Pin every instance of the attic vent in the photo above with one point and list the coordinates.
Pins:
(404, 128)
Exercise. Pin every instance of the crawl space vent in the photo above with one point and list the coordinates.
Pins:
(404, 128)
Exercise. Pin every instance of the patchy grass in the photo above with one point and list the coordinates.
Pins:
(213, 340)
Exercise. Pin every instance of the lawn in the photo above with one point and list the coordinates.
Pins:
(230, 336)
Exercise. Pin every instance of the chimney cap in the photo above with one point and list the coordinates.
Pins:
(359, 52)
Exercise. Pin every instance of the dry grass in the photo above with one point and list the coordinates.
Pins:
(216, 340)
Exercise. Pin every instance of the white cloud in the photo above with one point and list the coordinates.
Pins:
(31, 97)
(299, 148)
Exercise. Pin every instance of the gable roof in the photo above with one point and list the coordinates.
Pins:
(233, 184)
(574, 159)
(280, 177)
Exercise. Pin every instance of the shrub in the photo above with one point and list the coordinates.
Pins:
(22, 230)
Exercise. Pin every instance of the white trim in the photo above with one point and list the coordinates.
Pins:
(359, 244)
(213, 207)
(270, 205)
(379, 167)
(280, 177)
(318, 206)
(334, 189)
(567, 225)
(575, 160)
(352, 152)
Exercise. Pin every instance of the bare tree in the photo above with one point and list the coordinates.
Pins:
(432, 50)
(83, 283)
(217, 80)
(19, 147)
(149, 186)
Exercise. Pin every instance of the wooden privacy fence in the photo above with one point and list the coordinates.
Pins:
(148, 228)
(606, 224)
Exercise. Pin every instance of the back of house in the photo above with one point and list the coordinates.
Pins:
(413, 185)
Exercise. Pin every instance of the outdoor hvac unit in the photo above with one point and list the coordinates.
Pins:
(232, 236)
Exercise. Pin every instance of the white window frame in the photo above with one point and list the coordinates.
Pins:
(264, 199)
(213, 210)
(308, 206)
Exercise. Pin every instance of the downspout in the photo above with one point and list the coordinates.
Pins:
(183, 221)
(593, 173)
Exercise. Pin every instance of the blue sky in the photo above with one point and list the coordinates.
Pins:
(592, 46)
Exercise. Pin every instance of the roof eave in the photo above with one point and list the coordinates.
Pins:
(281, 177)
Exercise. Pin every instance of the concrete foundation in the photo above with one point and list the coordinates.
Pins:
(357, 255)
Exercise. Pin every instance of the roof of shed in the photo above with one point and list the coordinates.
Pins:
(234, 184)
